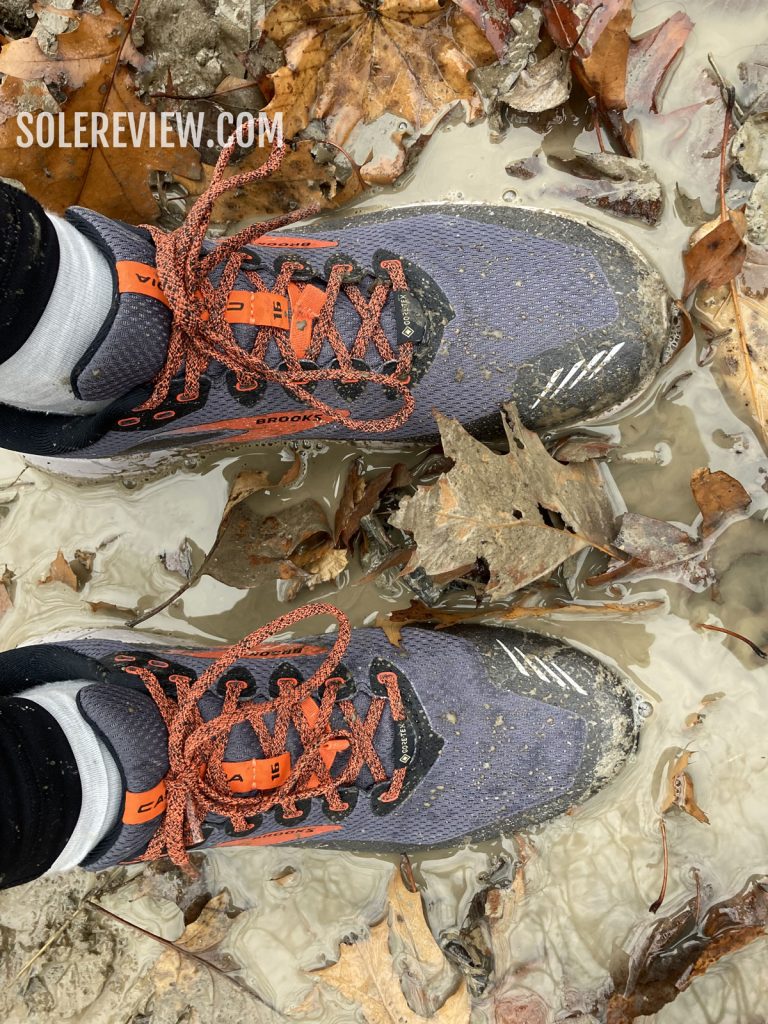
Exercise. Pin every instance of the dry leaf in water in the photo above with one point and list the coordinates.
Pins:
(6, 603)
(717, 254)
(680, 791)
(422, 53)
(676, 950)
(61, 572)
(84, 70)
(399, 973)
(718, 496)
(360, 497)
(491, 508)
(737, 315)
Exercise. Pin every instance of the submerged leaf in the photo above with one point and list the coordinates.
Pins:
(718, 495)
(399, 973)
(717, 255)
(680, 792)
(619, 184)
(677, 949)
(493, 508)
(542, 86)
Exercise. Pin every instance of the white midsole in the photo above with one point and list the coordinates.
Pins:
(119, 635)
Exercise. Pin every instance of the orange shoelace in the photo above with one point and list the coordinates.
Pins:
(196, 784)
(200, 332)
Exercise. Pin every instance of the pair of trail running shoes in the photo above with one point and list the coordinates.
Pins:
(353, 329)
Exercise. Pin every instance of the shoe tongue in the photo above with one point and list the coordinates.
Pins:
(131, 348)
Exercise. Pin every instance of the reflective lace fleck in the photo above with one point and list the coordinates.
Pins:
(196, 785)
(200, 332)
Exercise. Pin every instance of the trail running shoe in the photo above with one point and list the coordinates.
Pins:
(354, 329)
(348, 743)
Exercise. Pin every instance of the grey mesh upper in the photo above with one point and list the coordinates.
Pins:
(528, 726)
(560, 317)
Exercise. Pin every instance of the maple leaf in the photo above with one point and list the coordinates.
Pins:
(354, 62)
(366, 974)
(492, 507)
(87, 69)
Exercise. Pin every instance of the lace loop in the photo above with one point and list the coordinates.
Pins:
(200, 332)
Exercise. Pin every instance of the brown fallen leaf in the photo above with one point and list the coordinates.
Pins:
(359, 498)
(493, 509)
(668, 956)
(399, 973)
(650, 58)
(605, 69)
(493, 18)
(717, 254)
(6, 602)
(718, 496)
(306, 177)
(619, 184)
(88, 71)
(61, 572)
(251, 548)
(422, 53)
(680, 792)
(737, 315)
(658, 546)
(417, 613)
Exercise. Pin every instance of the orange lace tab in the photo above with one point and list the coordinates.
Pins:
(142, 807)
(306, 306)
(258, 773)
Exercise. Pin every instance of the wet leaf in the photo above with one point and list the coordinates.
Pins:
(418, 613)
(675, 950)
(737, 314)
(360, 498)
(493, 18)
(718, 496)
(493, 509)
(543, 85)
(717, 255)
(61, 572)
(496, 81)
(605, 68)
(6, 602)
(650, 58)
(422, 53)
(680, 792)
(311, 174)
(399, 973)
(750, 145)
(619, 184)
(85, 72)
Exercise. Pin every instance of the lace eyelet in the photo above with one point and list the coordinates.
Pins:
(305, 364)
(207, 830)
(349, 795)
(254, 823)
(305, 272)
(352, 276)
(303, 806)
(190, 398)
(350, 390)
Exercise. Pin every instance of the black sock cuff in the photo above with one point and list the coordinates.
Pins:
(40, 792)
(29, 263)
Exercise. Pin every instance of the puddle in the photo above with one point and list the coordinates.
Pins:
(591, 876)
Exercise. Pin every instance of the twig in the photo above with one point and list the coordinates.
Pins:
(729, 101)
(657, 903)
(46, 945)
(200, 960)
(737, 636)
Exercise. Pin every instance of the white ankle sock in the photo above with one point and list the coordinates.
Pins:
(102, 787)
(37, 377)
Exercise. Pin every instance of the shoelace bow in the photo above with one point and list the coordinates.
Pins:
(196, 784)
(200, 332)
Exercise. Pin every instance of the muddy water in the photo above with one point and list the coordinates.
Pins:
(590, 877)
